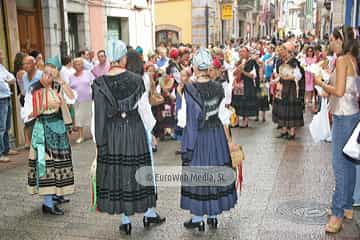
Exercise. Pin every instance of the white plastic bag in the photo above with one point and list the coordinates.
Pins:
(181, 116)
(320, 125)
(352, 147)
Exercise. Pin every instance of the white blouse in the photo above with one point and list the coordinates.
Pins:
(28, 106)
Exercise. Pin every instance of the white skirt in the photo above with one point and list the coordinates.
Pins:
(82, 114)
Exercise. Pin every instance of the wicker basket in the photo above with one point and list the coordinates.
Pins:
(237, 154)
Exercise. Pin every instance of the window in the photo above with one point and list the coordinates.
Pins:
(118, 28)
(114, 28)
(25, 3)
(241, 28)
(167, 36)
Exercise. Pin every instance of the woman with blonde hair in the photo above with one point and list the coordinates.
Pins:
(81, 82)
(50, 164)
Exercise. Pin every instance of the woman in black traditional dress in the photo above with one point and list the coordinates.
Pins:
(204, 146)
(244, 97)
(165, 112)
(291, 90)
(122, 144)
(263, 92)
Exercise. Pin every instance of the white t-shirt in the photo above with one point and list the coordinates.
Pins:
(65, 73)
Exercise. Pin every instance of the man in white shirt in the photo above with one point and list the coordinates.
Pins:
(6, 78)
(67, 69)
(84, 54)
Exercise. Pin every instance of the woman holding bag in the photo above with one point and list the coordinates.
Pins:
(246, 83)
(345, 109)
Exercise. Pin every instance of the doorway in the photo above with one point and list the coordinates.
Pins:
(73, 34)
(29, 18)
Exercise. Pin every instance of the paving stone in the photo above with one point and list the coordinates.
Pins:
(275, 172)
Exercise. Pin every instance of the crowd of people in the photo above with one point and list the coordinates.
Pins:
(132, 100)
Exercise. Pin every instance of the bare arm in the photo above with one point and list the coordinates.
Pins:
(227, 134)
(66, 88)
(339, 89)
(68, 91)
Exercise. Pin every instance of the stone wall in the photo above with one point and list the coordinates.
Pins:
(52, 27)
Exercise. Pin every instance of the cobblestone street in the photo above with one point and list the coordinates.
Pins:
(287, 188)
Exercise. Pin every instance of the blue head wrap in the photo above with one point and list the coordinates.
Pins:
(55, 61)
(202, 59)
(139, 50)
(116, 49)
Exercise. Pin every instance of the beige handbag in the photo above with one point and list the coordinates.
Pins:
(237, 154)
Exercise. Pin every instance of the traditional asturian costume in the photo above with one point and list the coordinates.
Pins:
(289, 98)
(51, 171)
(204, 144)
(244, 96)
(122, 127)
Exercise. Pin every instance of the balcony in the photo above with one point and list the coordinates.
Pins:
(246, 5)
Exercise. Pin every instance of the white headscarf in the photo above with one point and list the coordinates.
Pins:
(116, 49)
(202, 59)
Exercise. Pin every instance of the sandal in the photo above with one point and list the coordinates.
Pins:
(333, 228)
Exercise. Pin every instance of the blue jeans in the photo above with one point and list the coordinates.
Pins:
(5, 124)
(356, 196)
(344, 167)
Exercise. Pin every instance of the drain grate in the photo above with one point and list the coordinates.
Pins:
(303, 212)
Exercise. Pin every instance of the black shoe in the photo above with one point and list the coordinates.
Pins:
(290, 137)
(282, 135)
(155, 220)
(52, 211)
(213, 222)
(60, 200)
(154, 149)
(178, 152)
(125, 228)
(191, 225)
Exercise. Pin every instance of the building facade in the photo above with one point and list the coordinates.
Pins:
(173, 20)
(246, 19)
(63, 27)
(346, 12)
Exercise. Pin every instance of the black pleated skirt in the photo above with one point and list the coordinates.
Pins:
(288, 113)
(125, 152)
